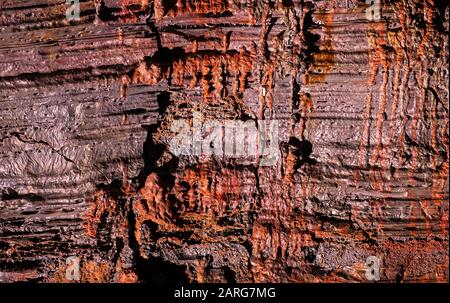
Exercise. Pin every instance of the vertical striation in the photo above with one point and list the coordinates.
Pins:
(88, 113)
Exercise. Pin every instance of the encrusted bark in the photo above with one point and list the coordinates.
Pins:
(87, 110)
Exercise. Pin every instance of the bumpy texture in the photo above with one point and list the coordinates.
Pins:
(86, 114)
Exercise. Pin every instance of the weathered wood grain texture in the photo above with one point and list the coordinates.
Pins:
(85, 114)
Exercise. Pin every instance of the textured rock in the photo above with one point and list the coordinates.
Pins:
(87, 110)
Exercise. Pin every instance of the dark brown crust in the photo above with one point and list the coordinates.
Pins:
(85, 114)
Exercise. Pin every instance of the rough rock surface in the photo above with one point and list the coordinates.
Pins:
(87, 106)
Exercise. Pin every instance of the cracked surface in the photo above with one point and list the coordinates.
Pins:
(86, 110)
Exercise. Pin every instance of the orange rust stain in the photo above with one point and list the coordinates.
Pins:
(130, 277)
(218, 80)
(268, 84)
(399, 60)
(423, 82)
(101, 205)
(148, 74)
(267, 66)
(208, 193)
(125, 80)
(219, 190)
(128, 15)
(441, 178)
(204, 187)
(178, 73)
(207, 70)
(95, 272)
(421, 58)
(201, 271)
(377, 56)
(125, 275)
(152, 205)
(201, 7)
(204, 82)
(404, 19)
(244, 67)
(90, 272)
(324, 60)
(194, 46)
(381, 59)
(158, 7)
(290, 165)
(439, 175)
(384, 62)
(306, 107)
